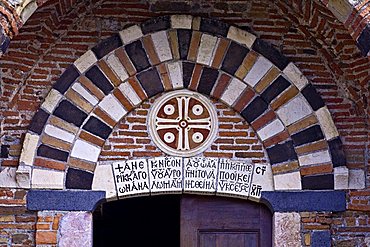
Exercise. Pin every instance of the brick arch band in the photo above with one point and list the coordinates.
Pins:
(167, 53)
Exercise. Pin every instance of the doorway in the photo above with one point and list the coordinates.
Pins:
(182, 220)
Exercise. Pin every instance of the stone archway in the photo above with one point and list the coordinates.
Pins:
(172, 53)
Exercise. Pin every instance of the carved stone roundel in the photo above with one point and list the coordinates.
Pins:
(183, 123)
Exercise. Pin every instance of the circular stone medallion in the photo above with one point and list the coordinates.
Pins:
(183, 123)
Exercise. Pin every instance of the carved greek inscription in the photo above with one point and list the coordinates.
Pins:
(234, 177)
(165, 175)
(200, 174)
(131, 177)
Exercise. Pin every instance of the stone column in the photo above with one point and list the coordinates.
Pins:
(286, 230)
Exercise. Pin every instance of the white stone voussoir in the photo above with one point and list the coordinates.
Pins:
(206, 49)
(131, 34)
(85, 61)
(233, 91)
(241, 36)
(113, 107)
(85, 151)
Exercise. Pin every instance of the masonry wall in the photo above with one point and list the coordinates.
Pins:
(304, 31)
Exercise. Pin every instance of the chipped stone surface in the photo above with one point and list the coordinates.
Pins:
(233, 91)
(241, 36)
(131, 34)
(130, 93)
(288, 181)
(162, 46)
(104, 180)
(314, 158)
(270, 129)
(181, 21)
(112, 106)
(287, 230)
(341, 175)
(47, 179)
(8, 177)
(29, 149)
(295, 76)
(206, 49)
(326, 123)
(294, 110)
(356, 179)
(52, 100)
(117, 67)
(75, 229)
(175, 72)
(85, 61)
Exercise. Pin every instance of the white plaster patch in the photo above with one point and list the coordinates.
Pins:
(287, 229)
(131, 34)
(130, 93)
(59, 133)
(241, 36)
(47, 179)
(259, 69)
(117, 67)
(162, 46)
(85, 61)
(233, 91)
(295, 76)
(326, 123)
(8, 177)
(356, 179)
(104, 180)
(86, 151)
(51, 100)
(341, 175)
(29, 149)
(314, 158)
(206, 49)
(113, 107)
(271, 129)
(175, 72)
(288, 181)
(181, 21)
(85, 94)
(294, 110)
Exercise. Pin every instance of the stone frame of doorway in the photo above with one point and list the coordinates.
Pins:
(210, 37)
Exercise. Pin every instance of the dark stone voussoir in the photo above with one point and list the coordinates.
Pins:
(308, 135)
(156, 24)
(338, 157)
(66, 79)
(234, 58)
(64, 200)
(276, 88)
(318, 182)
(270, 53)
(38, 121)
(52, 153)
(282, 152)
(184, 38)
(98, 78)
(207, 80)
(214, 26)
(137, 55)
(363, 41)
(187, 72)
(70, 113)
(255, 109)
(78, 179)
(313, 98)
(97, 127)
(151, 82)
(107, 45)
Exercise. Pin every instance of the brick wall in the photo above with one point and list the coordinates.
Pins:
(307, 34)
(130, 139)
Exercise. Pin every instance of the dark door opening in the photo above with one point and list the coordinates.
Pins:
(182, 220)
(138, 222)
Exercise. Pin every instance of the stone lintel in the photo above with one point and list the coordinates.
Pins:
(66, 200)
(305, 201)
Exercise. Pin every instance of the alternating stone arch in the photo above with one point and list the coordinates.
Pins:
(176, 52)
